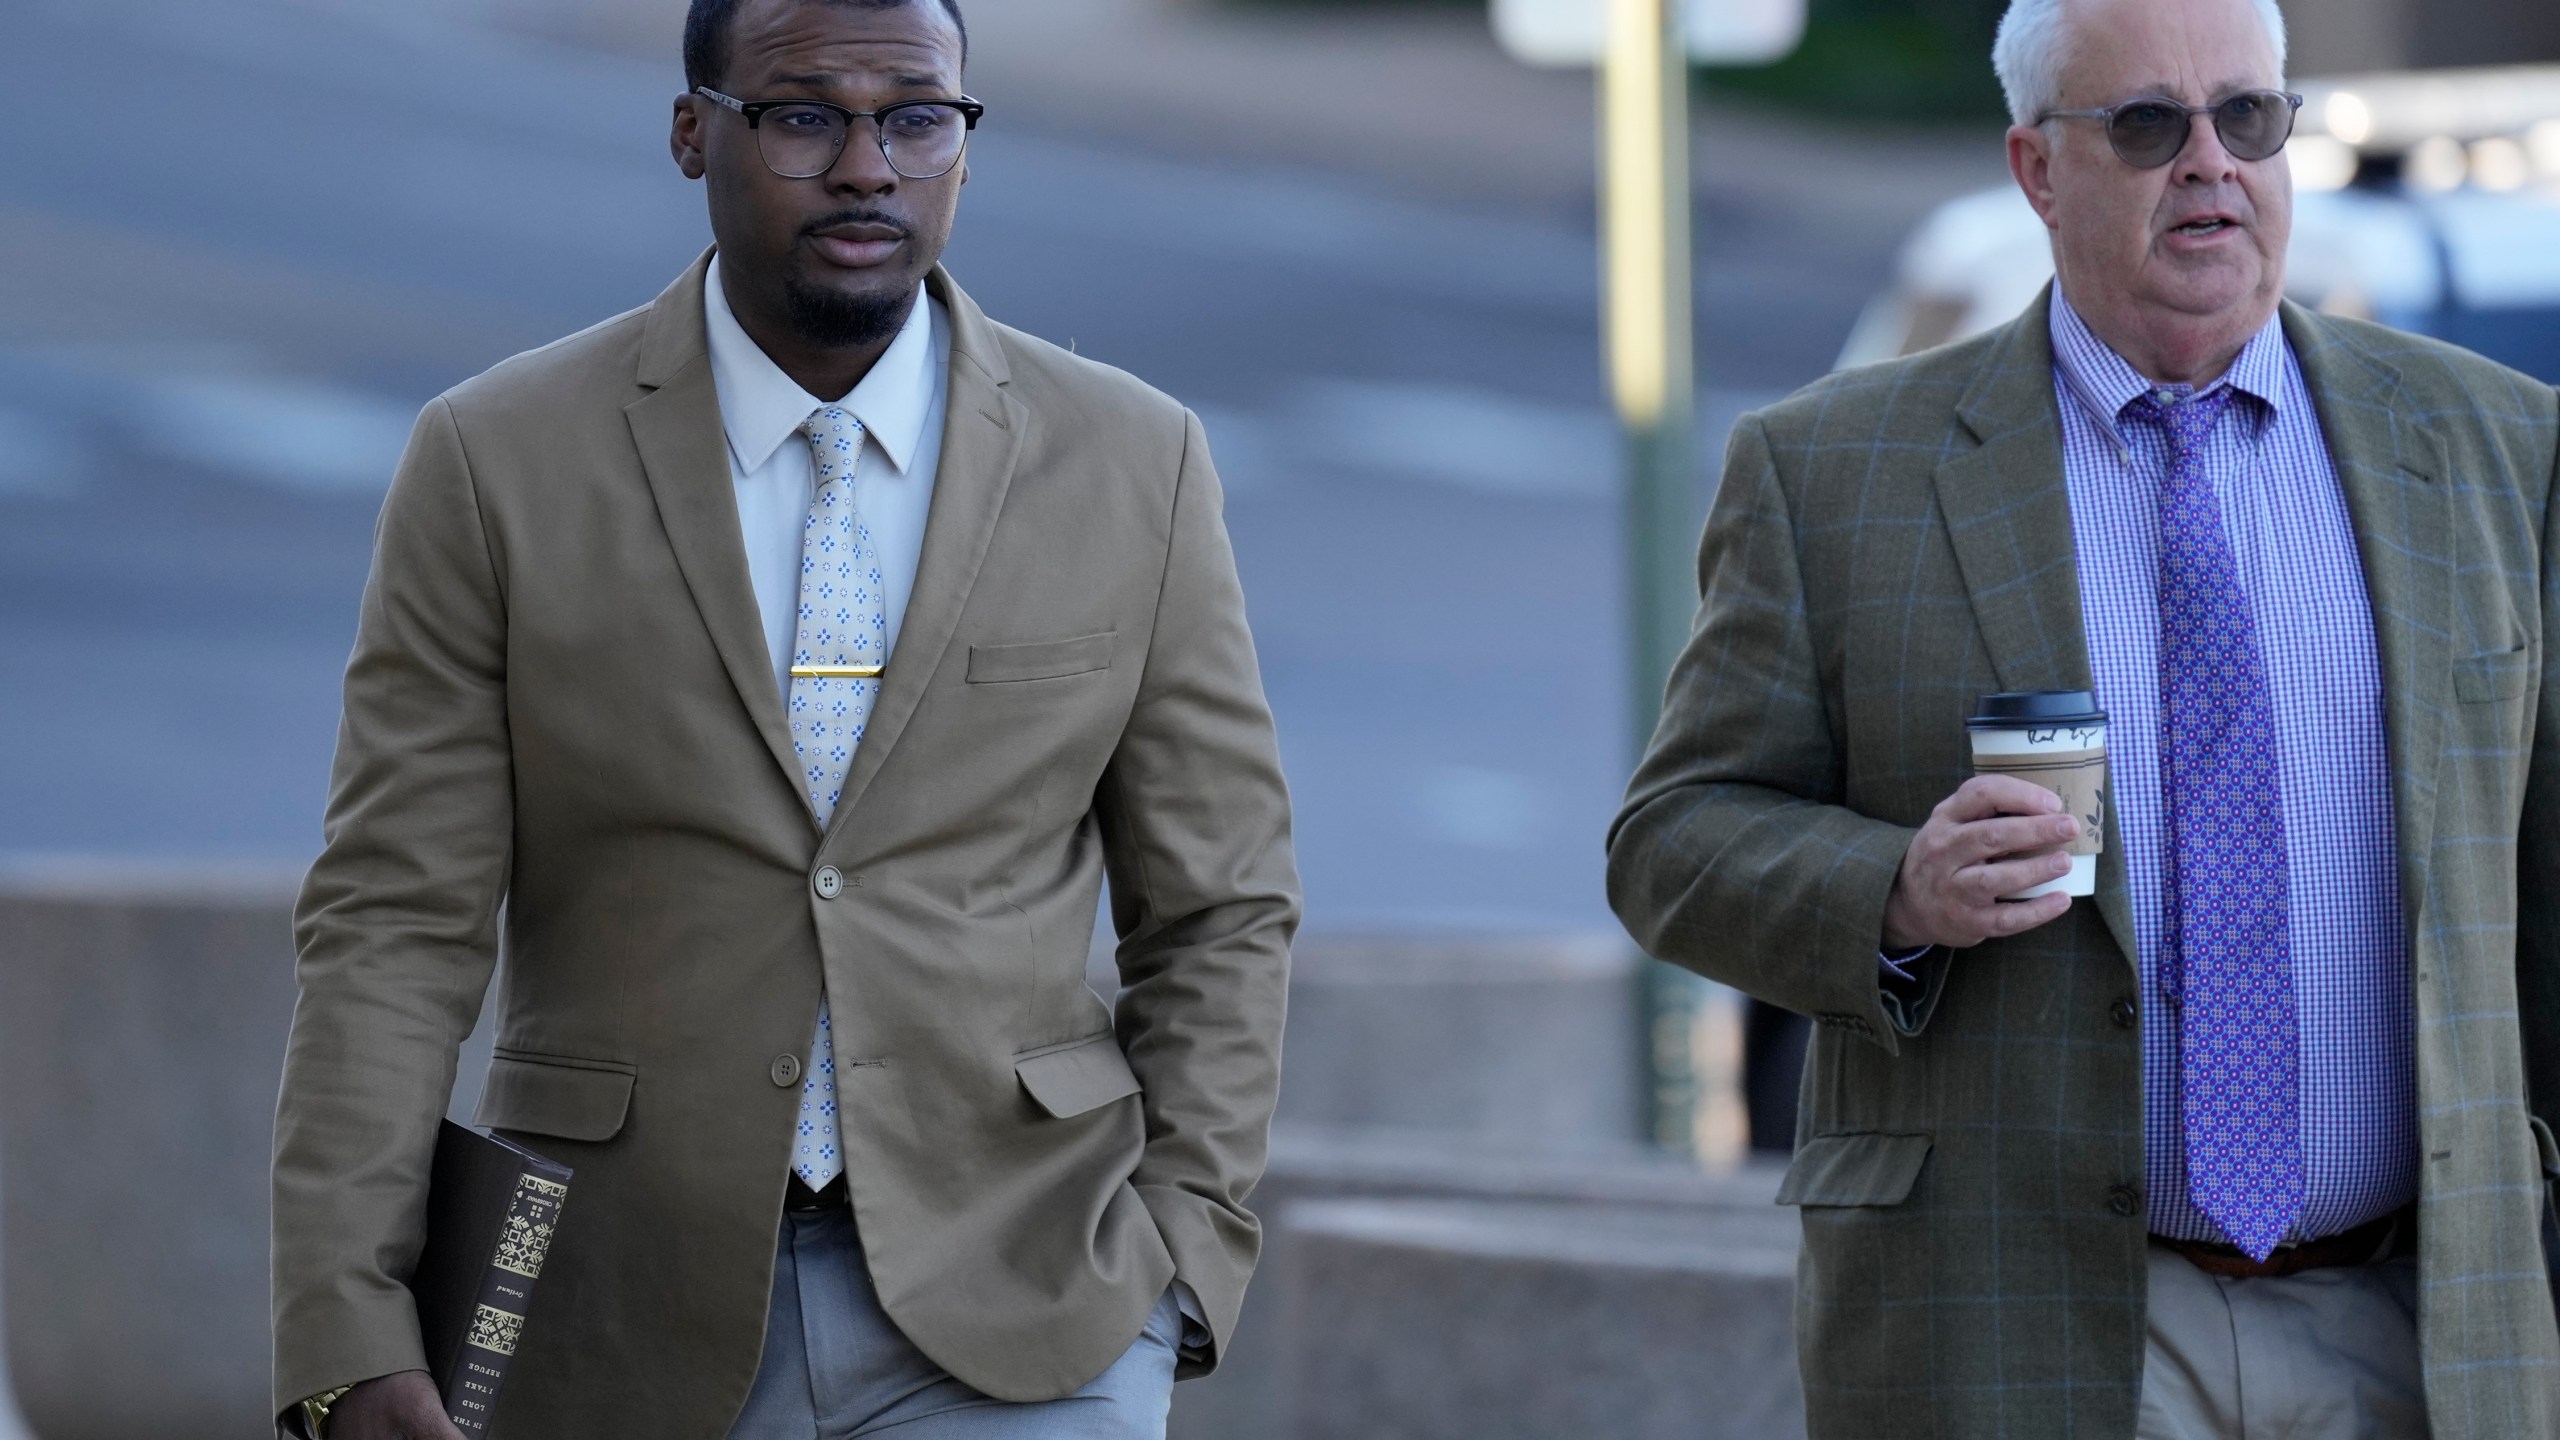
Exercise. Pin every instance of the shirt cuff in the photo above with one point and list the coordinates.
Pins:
(1905, 982)
(1196, 1337)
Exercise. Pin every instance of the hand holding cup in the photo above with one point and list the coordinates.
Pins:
(1996, 836)
(2009, 849)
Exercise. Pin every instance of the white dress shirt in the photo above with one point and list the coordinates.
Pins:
(900, 404)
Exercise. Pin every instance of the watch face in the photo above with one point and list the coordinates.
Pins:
(315, 1411)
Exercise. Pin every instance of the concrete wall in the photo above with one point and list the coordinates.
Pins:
(1503, 1320)
(1522, 1042)
(142, 1023)
(143, 1011)
(1415, 1268)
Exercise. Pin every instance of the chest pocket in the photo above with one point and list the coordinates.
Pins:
(2498, 675)
(1042, 660)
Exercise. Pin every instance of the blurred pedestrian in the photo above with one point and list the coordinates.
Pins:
(2246, 1144)
(794, 656)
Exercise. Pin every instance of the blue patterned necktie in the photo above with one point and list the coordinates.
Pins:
(843, 622)
(2230, 964)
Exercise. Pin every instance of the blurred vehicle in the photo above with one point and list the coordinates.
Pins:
(2427, 200)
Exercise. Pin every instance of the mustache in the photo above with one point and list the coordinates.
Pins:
(880, 218)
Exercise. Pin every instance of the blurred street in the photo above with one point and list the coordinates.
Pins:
(254, 235)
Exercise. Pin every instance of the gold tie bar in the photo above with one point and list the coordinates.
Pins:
(836, 672)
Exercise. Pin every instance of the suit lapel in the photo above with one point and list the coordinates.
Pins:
(981, 439)
(2008, 516)
(683, 448)
(2392, 472)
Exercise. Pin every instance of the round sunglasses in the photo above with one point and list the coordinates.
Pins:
(2149, 132)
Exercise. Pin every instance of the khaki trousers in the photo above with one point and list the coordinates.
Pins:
(2324, 1355)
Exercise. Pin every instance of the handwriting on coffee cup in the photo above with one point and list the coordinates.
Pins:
(2057, 740)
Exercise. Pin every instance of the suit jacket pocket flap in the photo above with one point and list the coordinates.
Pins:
(2501, 675)
(1079, 1077)
(1854, 1170)
(1047, 660)
(554, 1097)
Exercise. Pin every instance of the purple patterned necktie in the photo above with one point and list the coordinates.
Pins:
(2230, 968)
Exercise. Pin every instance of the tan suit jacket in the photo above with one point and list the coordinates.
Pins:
(1896, 541)
(562, 726)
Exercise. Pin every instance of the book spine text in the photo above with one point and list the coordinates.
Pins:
(506, 1295)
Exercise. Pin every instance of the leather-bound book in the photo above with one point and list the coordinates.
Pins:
(491, 1208)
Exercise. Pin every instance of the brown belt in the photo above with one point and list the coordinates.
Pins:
(797, 1196)
(2393, 1234)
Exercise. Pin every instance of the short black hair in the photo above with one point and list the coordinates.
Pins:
(706, 35)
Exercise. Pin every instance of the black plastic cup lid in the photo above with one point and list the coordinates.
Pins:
(2029, 709)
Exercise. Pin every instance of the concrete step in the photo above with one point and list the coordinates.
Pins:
(1520, 1042)
(1471, 1242)
(143, 1010)
(1502, 1320)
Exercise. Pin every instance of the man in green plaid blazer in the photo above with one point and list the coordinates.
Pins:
(1894, 542)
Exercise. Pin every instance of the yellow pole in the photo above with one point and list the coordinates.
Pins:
(1644, 98)
(1644, 124)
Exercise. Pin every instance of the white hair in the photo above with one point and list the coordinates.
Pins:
(2034, 43)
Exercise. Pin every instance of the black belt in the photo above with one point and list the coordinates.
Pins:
(798, 1197)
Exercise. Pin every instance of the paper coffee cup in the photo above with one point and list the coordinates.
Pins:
(2056, 739)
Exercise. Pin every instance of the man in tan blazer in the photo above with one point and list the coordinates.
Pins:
(2253, 1141)
(795, 656)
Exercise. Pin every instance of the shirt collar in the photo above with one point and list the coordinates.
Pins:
(2100, 380)
(760, 406)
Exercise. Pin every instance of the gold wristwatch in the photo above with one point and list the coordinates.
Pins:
(315, 1411)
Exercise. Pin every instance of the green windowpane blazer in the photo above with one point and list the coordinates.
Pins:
(1895, 541)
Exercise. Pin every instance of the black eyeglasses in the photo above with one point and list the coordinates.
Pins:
(800, 139)
(2148, 133)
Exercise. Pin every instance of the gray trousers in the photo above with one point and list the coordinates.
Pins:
(836, 1367)
(2324, 1355)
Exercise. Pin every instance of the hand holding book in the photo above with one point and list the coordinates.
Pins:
(491, 1210)
(392, 1407)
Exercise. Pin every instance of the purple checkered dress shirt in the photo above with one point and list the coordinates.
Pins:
(2287, 520)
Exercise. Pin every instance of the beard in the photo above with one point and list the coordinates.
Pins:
(833, 320)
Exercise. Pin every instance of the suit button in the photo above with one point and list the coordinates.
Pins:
(829, 882)
(2123, 1013)
(786, 1070)
(2124, 1200)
